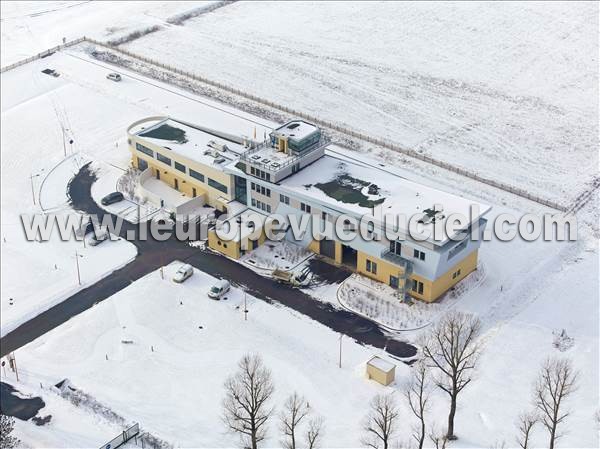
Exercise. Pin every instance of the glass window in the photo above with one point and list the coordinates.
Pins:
(196, 175)
(180, 167)
(217, 185)
(163, 159)
(143, 149)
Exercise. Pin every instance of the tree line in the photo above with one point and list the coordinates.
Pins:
(450, 353)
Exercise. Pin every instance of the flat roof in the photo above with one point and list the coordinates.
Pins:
(360, 188)
(296, 129)
(192, 143)
(244, 224)
(382, 364)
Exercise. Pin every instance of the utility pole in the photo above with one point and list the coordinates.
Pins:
(245, 308)
(12, 361)
(77, 256)
(340, 359)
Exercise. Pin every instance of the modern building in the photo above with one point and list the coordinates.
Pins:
(294, 172)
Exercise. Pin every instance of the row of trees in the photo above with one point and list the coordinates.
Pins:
(247, 408)
(450, 352)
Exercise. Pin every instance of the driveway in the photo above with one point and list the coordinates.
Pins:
(153, 254)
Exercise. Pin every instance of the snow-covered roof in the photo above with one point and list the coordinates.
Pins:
(360, 188)
(296, 129)
(243, 224)
(381, 364)
(192, 143)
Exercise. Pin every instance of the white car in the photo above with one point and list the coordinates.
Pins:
(183, 272)
(218, 290)
(113, 76)
(97, 237)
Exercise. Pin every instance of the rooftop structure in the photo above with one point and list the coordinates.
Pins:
(291, 147)
(198, 144)
(299, 134)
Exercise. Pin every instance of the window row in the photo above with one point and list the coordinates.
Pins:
(456, 274)
(262, 206)
(396, 248)
(284, 199)
(260, 173)
(305, 207)
(260, 189)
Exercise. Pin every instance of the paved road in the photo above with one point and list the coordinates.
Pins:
(153, 254)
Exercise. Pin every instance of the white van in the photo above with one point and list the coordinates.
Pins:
(219, 289)
(183, 272)
(97, 237)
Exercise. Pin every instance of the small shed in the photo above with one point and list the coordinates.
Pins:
(381, 370)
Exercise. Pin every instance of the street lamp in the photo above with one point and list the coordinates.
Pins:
(64, 134)
(77, 256)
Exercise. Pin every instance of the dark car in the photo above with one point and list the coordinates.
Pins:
(112, 198)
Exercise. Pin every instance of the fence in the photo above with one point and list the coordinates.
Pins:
(43, 54)
(123, 437)
(323, 123)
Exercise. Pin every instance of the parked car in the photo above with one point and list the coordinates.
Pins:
(97, 237)
(218, 290)
(114, 76)
(183, 272)
(112, 198)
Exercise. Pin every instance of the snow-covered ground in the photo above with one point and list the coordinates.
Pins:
(514, 103)
(29, 27)
(504, 89)
(170, 379)
(40, 115)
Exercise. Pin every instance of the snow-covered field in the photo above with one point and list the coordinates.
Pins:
(29, 27)
(170, 378)
(505, 89)
(513, 102)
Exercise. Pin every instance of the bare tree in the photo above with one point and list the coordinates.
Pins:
(7, 424)
(525, 425)
(556, 381)
(439, 439)
(314, 432)
(246, 405)
(294, 411)
(417, 394)
(380, 423)
(452, 348)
